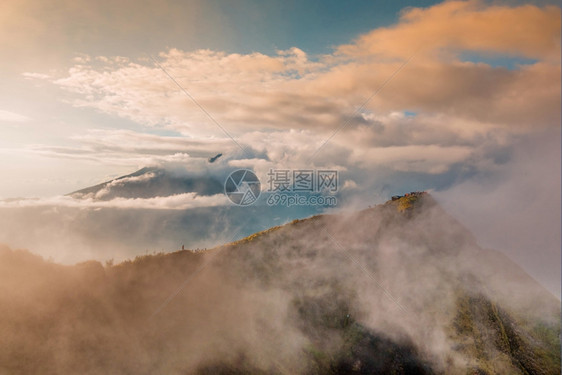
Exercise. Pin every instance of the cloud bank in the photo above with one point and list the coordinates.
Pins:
(480, 80)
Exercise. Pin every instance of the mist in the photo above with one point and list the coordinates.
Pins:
(313, 296)
(516, 209)
(127, 247)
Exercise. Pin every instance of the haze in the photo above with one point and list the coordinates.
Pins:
(471, 111)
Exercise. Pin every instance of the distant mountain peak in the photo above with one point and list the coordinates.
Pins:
(409, 200)
(149, 182)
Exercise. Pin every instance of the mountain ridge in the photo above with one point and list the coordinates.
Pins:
(382, 290)
(149, 182)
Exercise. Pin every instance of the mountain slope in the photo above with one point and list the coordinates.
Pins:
(401, 288)
(151, 182)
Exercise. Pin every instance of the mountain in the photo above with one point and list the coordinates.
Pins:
(151, 182)
(123, 217)
(400, 288)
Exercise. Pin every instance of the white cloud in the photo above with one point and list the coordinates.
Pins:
(430, 159)
(7, 116)
(290, 90)
(120, 182)
(517, 209)
(42, 76)
(284, 106)
(173, 202)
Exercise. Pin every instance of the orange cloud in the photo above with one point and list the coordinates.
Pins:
(526, 30)
(287, 102)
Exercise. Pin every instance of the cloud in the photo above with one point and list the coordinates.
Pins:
(414, 158)
(455, 26)
(442, 118)
(128, 147)
(121, 182)
(229, 85)
(7, 116)
(422, 144)
(291, 90)
(173, 202)
(526, 97)
(517, 208)
(43, 76)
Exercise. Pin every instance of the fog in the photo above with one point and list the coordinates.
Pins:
(69, 235)
(372, 291)
(516, 209)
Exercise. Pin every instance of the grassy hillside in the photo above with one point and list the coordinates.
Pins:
(401, 288)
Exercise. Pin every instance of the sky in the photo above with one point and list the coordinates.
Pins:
(455, 97)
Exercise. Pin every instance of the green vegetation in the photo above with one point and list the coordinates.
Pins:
(407, 202)
(499, 345)
(287, 300)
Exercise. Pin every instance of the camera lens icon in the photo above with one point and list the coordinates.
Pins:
(242, 187)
